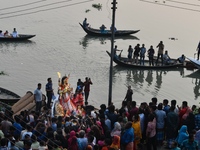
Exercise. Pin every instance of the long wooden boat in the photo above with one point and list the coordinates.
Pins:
(195, 62)
(97, 32)
(8, 97)
(21, 37)
(123, 61)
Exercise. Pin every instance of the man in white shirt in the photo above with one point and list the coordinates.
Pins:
(14, 34)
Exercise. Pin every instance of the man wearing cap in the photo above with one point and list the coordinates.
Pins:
(49, 92)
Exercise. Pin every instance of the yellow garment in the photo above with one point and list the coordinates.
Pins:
(116, 142)
(137, 132)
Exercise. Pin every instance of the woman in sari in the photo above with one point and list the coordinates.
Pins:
(137, 130)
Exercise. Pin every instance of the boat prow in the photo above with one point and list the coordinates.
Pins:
(195, 62)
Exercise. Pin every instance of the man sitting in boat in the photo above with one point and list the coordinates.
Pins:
(102, 28)
(14, 33)
(1, 34)
(166, 58)
(6, 34)
(115, 29)
(85, 24)
(181, 59)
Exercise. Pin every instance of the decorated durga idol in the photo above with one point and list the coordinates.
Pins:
(67, 102)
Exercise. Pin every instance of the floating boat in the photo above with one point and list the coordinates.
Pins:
(8, 97)
(195, 62)
(123, 61)
(21, 37)
(97, 32)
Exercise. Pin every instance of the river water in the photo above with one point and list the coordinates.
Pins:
(62, 46)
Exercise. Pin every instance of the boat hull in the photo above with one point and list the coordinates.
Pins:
(124, 62)
(21, 37)
(97, 32)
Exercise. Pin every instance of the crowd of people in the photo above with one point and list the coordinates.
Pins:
(131, 127)
(7, 34)
(137, 54)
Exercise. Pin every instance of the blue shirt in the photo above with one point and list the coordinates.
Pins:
(49, 86)
(188, 145)
(38, 95)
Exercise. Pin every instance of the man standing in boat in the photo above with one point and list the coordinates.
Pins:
(198, 51)
(160, 47)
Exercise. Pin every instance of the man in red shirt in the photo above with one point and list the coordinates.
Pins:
(87, 88)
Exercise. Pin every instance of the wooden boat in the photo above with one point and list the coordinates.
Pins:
(123, 61)
(97, 32)
(21, 37)
(195, 62)
(8, 97)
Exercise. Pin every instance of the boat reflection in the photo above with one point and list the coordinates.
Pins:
(5, 46)
(196, 81)
(148, 80)
(88, 38)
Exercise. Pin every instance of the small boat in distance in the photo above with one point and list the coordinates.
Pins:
(195, 62)
(123, 61)
(20, 37)
(98, 32)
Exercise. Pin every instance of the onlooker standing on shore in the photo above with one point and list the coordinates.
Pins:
(160, 52)
(38, 97)
(49, 92)
(87, 88)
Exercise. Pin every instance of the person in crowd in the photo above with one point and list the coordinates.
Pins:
(82, 140)
(136, 53)
(134, 110)
(35, 144)
(129, 94)
(115, 142)
(127, 137)
(171, 126)
(197, 120)
(182, 111)
(14, 33)
(198, 51)
(5, 125)
(4, 144)
(80, 86)
(38, 98)
(137, 130)
(190, 143)
(116, 130)
(49, 92)
(28, 131)
(17, 125)
(175, 146)
(85, 24)
(166, 58)
(182, 135)
(102, 28)
(166, 107)
(151, 132)
(1, 33)
(151, 55)
(130, 53)
(173, 103)
(142, 54)
(87, 84)
(160, 124)
(189, 120)
(160, 47)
